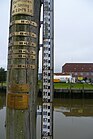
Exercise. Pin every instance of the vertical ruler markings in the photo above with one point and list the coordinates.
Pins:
(48, 68)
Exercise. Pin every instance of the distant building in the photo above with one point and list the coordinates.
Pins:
(60, 77)
(79, 70)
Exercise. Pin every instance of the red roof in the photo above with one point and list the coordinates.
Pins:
(77, 67)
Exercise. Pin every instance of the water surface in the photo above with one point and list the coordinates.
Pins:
(73, 118)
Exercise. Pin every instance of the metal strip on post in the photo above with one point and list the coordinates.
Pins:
(48, 68)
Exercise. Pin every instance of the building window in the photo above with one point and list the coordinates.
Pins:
(91, 73)
(81, 73)
(87, 73)
(75, 73)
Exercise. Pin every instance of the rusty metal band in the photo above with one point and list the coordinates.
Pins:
(33, 57)
(21, 56)
(22, 43)
(26, 22)
(22, 33)
(17, 101)
(22, 66)
(22, 51)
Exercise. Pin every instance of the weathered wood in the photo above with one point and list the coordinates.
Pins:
(21, 124)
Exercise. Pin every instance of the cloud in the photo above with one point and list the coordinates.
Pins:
(4, 27)
(73, 32)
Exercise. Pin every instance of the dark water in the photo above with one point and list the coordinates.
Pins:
(2, 115)
(73, 119)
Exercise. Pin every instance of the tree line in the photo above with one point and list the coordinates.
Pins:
(2, 75)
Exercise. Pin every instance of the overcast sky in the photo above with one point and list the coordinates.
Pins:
(73, 32)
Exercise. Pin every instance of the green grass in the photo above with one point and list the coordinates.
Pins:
(66, 85)
(4, 84)
(69, 85)
(39, 84)
(73, 86)
(61, 85)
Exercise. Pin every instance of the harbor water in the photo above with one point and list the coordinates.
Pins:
(73, 118)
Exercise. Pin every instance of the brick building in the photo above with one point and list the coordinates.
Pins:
(79, 70)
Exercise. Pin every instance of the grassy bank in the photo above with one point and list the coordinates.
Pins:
(73, 86)
(3, 84)
(69, 85)
(65, 85)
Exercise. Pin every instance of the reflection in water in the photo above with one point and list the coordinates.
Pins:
(2, 115)
(74, 107)
(73, 119)
(21, 124)
(2, 100)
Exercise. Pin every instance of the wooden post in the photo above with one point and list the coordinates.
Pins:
(22, 67)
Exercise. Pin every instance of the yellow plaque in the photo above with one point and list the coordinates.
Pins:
(22, 88)
(17, 101)
(23, 7)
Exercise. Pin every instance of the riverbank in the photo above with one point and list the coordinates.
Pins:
(3, 89)
(73, 93)
(64, 90)
(72, 90)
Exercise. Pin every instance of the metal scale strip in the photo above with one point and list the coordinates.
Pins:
(47, 69)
